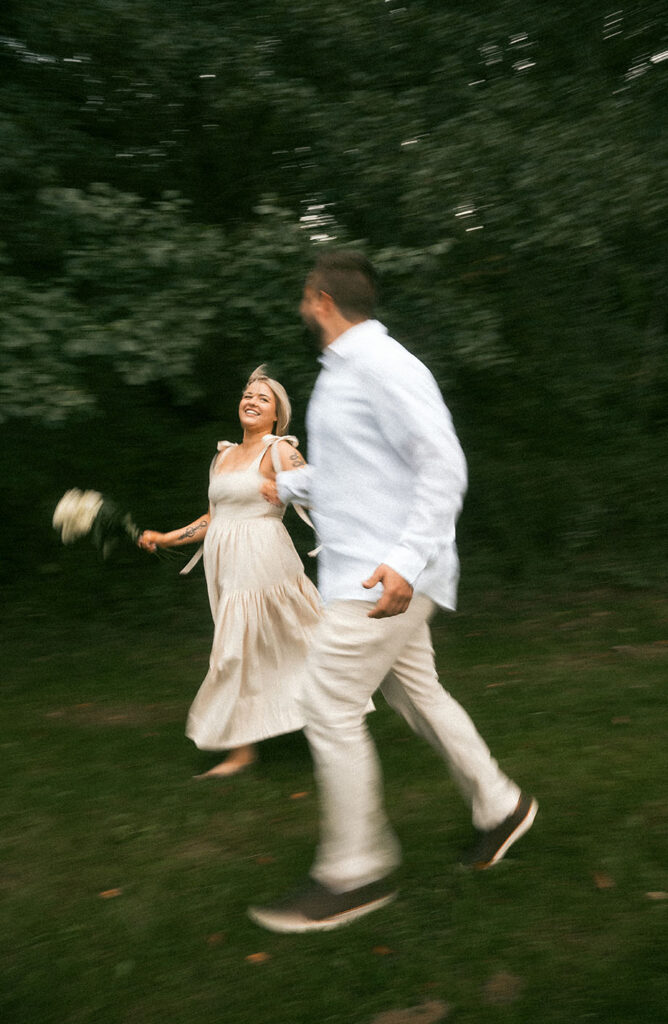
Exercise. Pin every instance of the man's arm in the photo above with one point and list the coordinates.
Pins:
(415, 421)
(289, 459)
(295, 485)
(284, 488)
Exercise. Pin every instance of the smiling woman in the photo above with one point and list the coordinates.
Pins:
(264, 607)
(257, 407)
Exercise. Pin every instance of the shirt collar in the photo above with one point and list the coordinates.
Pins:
(346, 343)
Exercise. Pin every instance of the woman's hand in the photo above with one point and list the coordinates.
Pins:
(150, 540)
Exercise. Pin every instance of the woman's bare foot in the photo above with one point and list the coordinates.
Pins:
(236, 761)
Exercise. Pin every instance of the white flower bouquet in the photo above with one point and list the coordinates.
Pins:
(89, 513)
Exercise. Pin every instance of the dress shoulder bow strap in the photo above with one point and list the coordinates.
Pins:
(272, 440)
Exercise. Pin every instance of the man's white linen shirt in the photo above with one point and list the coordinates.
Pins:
(386, 474)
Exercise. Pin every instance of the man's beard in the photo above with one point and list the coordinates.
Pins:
(313, 331)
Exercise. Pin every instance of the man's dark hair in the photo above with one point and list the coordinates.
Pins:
(349, 278)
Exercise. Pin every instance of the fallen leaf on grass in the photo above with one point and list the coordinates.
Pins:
(502, 988)
(426, 1013)
(382, 950)
(651, 651)
(216, 939)
(265, 860)
(603, 881)
(258, 958)
(95, 715)
(657, 895)
(110, 894)
(124, 968)
(621, 720)
(298, 796)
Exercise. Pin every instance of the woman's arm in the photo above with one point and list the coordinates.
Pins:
(194, 533)
(289, 458)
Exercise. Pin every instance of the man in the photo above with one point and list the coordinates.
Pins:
(385, 480)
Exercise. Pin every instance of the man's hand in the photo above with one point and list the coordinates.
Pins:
(397, 593)
(269, 492)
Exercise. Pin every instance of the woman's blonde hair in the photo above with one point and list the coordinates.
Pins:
(283, 407)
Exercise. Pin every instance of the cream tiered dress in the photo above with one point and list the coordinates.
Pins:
(264, 609)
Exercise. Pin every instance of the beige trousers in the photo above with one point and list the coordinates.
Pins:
(351, 656)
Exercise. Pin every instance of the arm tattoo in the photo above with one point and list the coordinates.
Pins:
(192, 530)
(296, 459)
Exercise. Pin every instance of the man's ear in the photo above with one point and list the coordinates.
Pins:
(328, 304)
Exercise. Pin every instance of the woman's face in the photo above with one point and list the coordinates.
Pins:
(257, 408)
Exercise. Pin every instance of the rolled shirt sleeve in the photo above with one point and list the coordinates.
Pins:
(416, 422)
(294, 485)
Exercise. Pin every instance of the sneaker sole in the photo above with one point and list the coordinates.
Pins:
(275, 921)
(523, 827)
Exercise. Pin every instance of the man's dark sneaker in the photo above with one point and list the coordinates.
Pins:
(315, 908)
(491, 846)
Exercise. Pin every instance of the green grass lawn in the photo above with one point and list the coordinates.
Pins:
(125, 882)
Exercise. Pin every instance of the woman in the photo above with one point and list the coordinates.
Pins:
(264, 608)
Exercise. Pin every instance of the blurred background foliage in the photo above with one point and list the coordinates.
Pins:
(168, 170)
